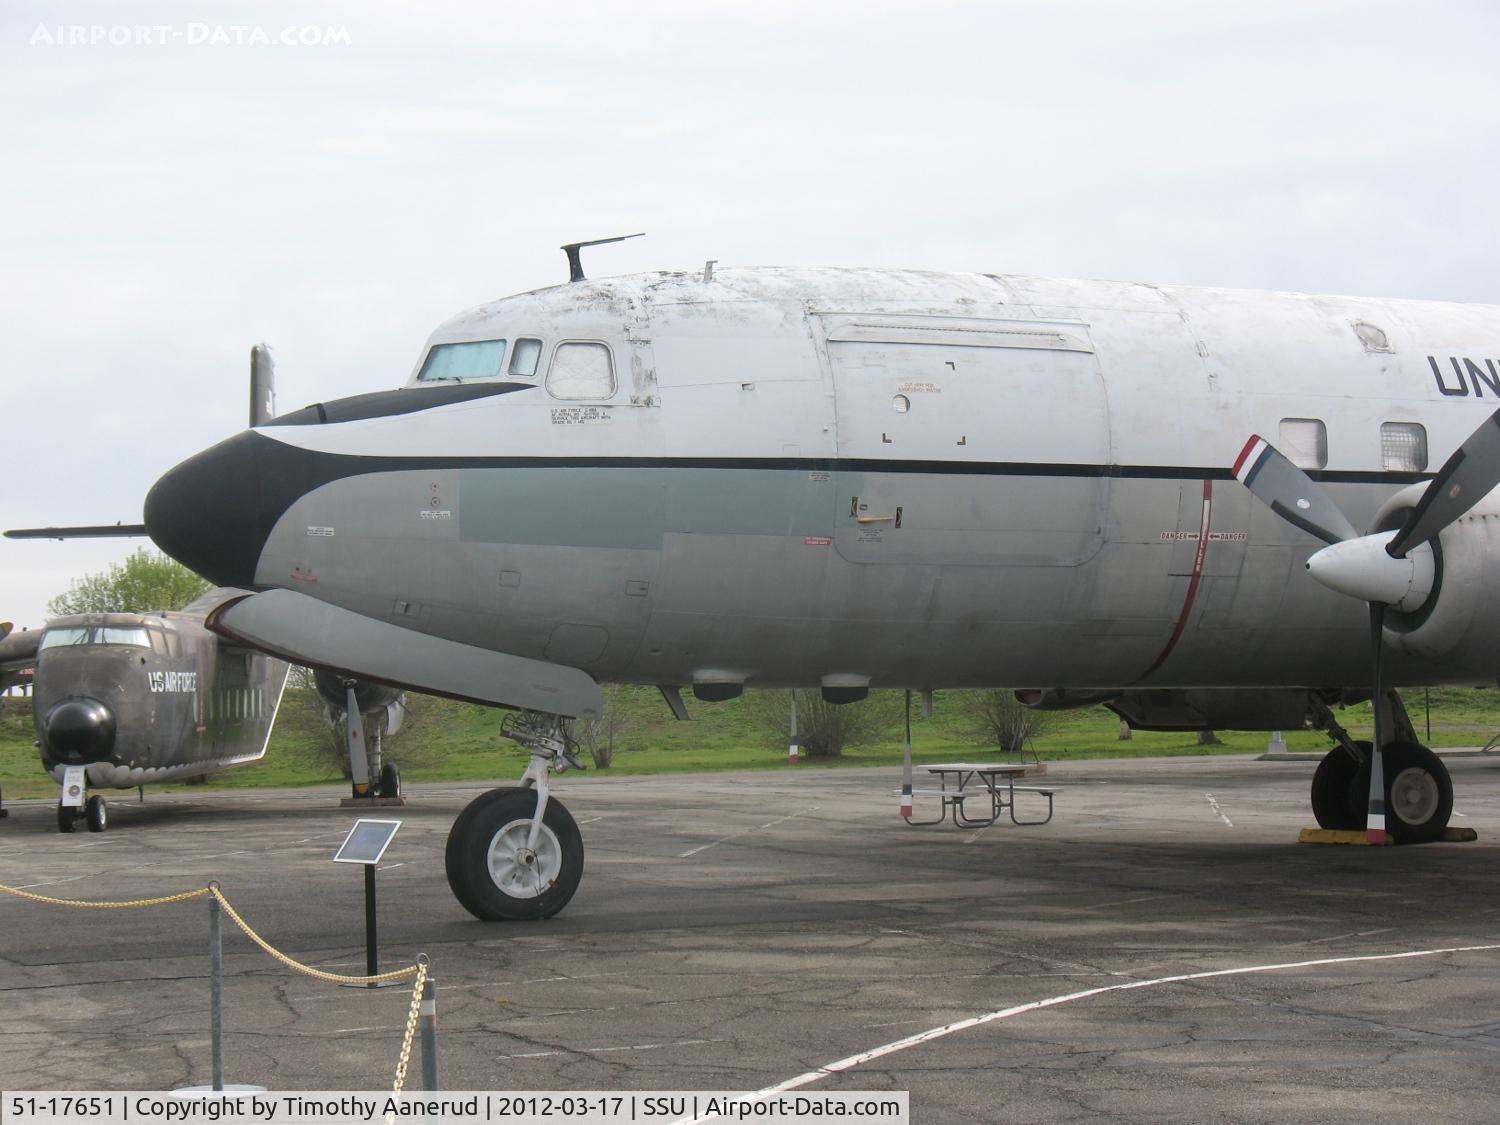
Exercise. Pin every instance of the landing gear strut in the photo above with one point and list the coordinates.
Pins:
(514, 853)
(1418, 790)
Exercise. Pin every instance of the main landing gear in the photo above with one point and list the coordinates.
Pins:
(514, 853)
(1418, 790)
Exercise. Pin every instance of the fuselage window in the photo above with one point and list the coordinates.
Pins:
(54, 638)
(1403, 446)
(1305, 442)
(581, 371)
(524, 357)
(478, 360)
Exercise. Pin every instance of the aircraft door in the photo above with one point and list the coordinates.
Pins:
(968, 443)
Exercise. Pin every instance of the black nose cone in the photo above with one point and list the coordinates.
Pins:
(206, 513)
(80, 730)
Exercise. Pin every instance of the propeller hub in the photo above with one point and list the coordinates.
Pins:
(1363, 569)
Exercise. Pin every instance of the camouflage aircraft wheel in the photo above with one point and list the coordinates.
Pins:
(492, 872)
(97, 814)
(390, 780)
(67, 818)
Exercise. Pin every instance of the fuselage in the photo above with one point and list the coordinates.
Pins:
(848, 477)
(144, 698)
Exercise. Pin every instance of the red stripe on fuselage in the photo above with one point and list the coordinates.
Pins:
(1197, 575)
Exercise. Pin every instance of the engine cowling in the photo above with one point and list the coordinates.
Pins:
(1454, 626)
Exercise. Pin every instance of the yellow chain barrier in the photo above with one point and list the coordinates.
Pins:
(306, 970)
(163, 901)
(419, 970)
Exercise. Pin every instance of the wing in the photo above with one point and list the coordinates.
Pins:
(18, 657)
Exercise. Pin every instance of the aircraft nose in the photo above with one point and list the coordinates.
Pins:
(80, 730)
(206, 512)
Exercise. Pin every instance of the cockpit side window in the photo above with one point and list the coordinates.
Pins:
(581, 370)
(524, 358)
(480, 359)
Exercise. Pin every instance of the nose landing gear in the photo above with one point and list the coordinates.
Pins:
(75, 805)
(514, 853)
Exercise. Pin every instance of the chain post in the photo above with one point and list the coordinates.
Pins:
(216, 988)
(429, 1034)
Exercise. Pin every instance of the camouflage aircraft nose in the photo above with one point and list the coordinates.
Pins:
(205, 513)
(80, 730)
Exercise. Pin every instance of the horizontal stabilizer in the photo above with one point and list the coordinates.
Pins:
(94, 531)
(306, 631)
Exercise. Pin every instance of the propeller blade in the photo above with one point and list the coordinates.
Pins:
(1289, 492)
(1465, 479)
(1375, 817)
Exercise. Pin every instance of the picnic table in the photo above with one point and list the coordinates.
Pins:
(993, 783)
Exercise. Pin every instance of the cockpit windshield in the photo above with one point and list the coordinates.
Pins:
(480, 359)
(95, 635)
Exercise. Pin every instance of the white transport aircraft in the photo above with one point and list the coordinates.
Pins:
(854, 479)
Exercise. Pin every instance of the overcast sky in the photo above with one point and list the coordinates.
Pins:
(167, 203)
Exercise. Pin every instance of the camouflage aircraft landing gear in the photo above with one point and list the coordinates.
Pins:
(1418, 789)
(75, 806)
(514, 853)
(94, 812)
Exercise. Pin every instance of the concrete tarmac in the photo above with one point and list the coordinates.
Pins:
(740, 931)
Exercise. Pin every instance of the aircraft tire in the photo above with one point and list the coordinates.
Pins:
(390, 780)
(67, 818)
(1418, 793)
(96, 812)
(487, 868)
(1336, 802)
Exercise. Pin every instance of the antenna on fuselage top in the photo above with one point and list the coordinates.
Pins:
(262, 385)
(571, 249)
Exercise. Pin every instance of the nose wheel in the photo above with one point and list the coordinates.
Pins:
(495, 870)
(515, 853)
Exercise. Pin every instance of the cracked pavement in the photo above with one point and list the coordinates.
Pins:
(734, 931)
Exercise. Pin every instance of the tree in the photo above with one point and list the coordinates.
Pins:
(824, 729)
(147, 582)
(597, 736)
(1000, 719)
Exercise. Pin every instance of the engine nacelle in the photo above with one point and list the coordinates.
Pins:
(1453, 627)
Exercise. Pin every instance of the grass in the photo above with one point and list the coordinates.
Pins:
(446, 741)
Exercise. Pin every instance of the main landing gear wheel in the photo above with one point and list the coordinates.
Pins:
(1336, 802)
(492, 872)
(67, 818)
(1418, 792)
(96, 814)
(390, 780)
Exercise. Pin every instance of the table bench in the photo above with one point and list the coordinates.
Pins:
(994, 782)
